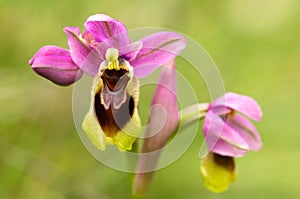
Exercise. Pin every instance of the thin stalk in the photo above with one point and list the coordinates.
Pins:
(192, 114)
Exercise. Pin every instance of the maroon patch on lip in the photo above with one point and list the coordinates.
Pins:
(224, 161)
(113, 120)
(115, 79)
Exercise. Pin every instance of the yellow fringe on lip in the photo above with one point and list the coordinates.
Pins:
(125, 137)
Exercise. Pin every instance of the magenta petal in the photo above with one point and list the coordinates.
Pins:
(247, 131)
(102, 27)
(55, 63)
(241, 103)
(157, 50)
(166, 92)
(164, 110)
(130, 51)
(78, 48)
(223, 148)
(220, 110)
(92, 63)
(87, 60)
(216, 129)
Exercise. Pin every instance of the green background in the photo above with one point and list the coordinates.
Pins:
(255, 45)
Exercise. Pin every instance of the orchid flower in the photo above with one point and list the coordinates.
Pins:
(228, 134)
(105, 52)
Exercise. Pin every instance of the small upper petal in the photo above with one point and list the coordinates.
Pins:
(102, 27)
(130, 51)
(78, 48)
(241, 103)
(55, 64)
(158, 49)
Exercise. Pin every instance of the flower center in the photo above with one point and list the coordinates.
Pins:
(115, 65)
(115, 73)
(228, 116)
(115, 80)
(112, 57)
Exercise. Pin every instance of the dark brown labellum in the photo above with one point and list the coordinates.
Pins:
(113, 120)
(113, 105)
(224, 161)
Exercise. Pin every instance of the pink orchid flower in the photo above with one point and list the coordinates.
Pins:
(105, 52)
(87, 51)
(227, 131)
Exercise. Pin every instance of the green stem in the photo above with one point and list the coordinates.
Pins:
(137, 197)
(192, 114)
(135, 146)
(135, 149)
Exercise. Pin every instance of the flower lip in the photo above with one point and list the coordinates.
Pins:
(115, 74)
(114, 79)
(218, 172)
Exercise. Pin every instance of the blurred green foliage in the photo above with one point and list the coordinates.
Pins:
(255, 44)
